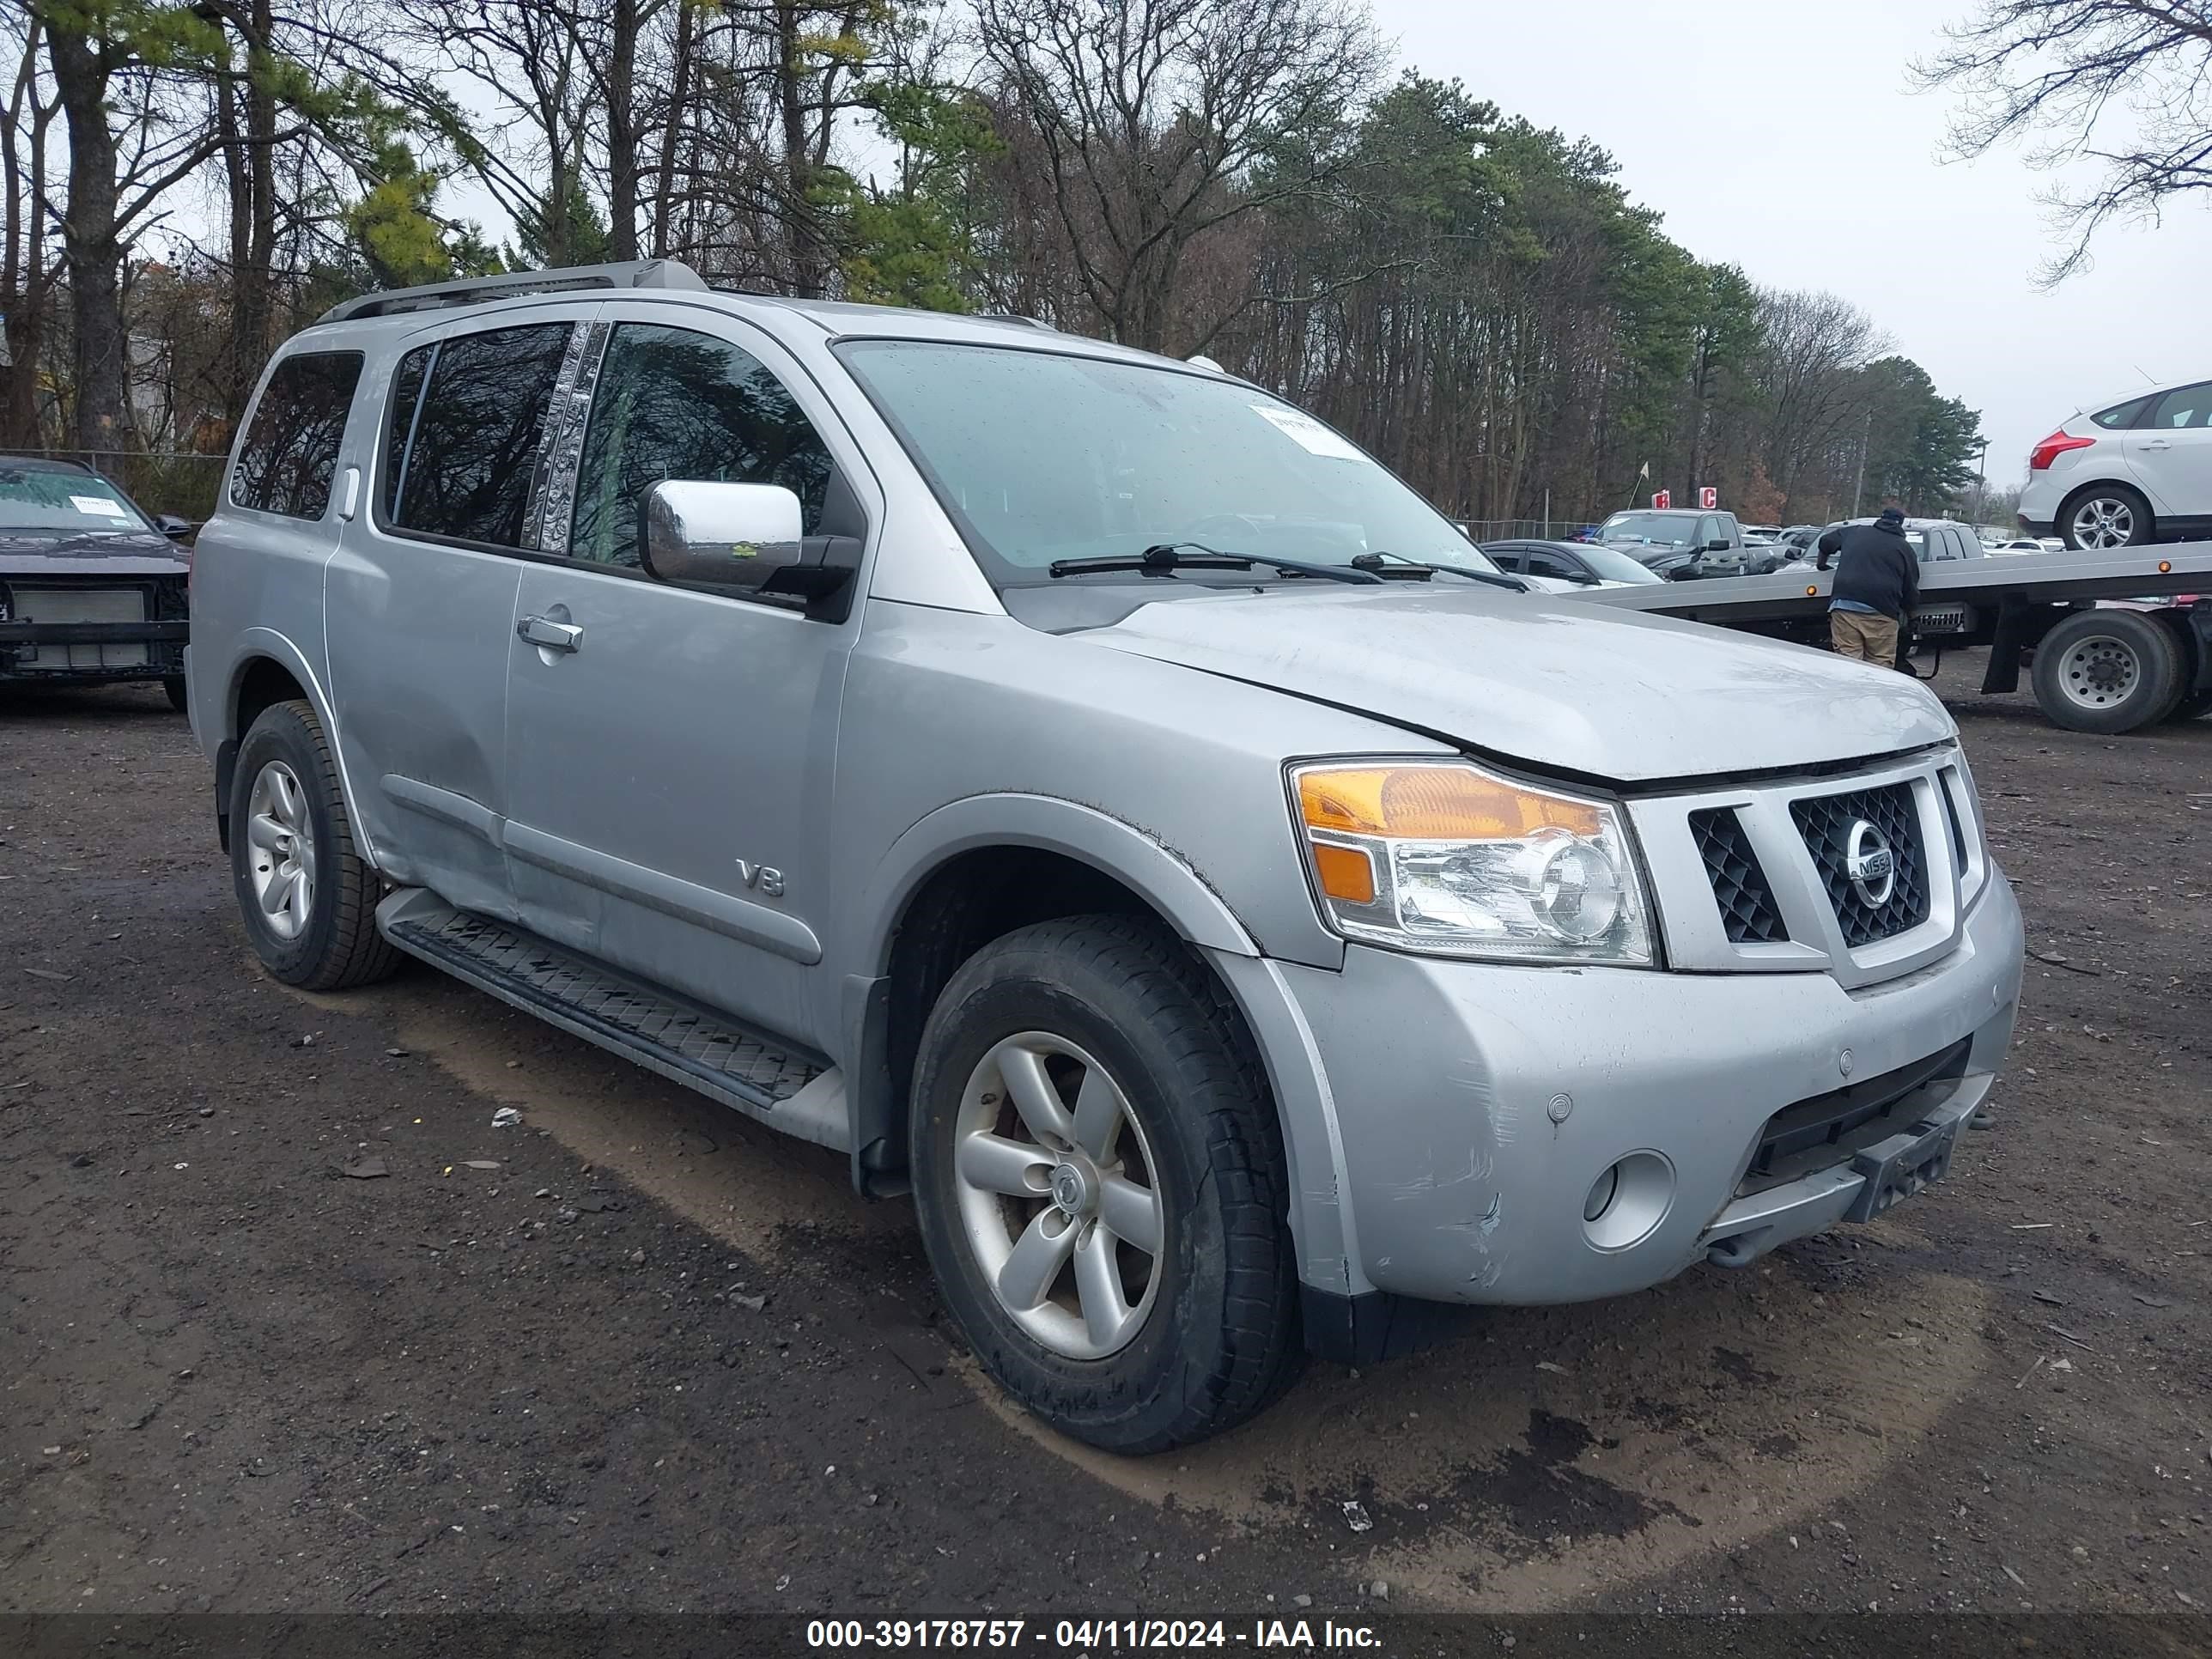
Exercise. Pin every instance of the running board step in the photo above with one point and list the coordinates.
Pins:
(657, 1029)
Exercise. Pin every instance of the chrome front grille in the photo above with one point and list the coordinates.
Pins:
(1864, 876)
(1863, 823)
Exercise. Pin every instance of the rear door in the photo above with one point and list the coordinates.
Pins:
(670, 772)
(2172, 452)
(420, 599)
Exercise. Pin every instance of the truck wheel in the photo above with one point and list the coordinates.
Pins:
(1100, 1181)
(2105, 515)
(2107, 671)
(308, 897)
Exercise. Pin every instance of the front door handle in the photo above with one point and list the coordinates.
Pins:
(552, 635)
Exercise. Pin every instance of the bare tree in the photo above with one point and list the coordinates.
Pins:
(2125, 83)
(1158, 121)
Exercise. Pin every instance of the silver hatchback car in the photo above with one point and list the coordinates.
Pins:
(1092, 795)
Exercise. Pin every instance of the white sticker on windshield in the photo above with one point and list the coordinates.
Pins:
(1306, 433)
(99, 504)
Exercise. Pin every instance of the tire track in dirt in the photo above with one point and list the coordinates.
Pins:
(1546, 1455)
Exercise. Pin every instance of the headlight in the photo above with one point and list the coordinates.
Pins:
(1445, 859)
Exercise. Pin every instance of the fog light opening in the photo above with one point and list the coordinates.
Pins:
(1627, 1202)
(1602, 1193)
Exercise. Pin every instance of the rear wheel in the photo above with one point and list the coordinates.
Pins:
(2107, 671)
(307, 897)
(1100, 1182)
(2105, 515)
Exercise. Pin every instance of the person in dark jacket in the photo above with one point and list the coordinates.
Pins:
(1877, 582)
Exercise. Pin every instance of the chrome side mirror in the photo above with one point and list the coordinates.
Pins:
(741, 538)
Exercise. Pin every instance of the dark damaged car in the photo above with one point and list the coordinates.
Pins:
(91, 590)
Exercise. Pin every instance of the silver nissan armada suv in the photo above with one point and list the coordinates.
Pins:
(1093, 796)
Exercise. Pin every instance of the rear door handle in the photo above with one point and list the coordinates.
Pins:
(2156, 443)
(553, 636)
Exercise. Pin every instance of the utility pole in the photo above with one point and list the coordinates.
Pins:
(1858, 487)
(1981, 482)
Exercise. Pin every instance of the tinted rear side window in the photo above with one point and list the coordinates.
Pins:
(291, 447)
(465, 470)
(2122, 416)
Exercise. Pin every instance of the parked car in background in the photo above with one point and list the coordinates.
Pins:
(1189, 879)
(2138, 470)
(1932, 540)
(1581, 564)
(91, 589)
(2017, 544)
(1678, 542)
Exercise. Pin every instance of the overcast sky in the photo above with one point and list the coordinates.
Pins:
(1779, 135)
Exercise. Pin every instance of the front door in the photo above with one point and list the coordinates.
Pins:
(668, 755)
(419, 601)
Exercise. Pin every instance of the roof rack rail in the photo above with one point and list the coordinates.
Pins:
(474, 290)
(1016, 317)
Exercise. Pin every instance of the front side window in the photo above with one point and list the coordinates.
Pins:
(463, 470)
(670, 403)
(1042, 456)
(291, 448)
(2188, 407)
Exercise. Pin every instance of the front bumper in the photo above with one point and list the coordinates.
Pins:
(1478, 1104)
(94, 651)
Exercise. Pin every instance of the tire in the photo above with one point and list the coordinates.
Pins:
(285, 799)
(2105, 515)
(1213, 1334)
(175, 686)
(2107, 671)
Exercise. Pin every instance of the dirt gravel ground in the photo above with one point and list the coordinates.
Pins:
(636, 1354)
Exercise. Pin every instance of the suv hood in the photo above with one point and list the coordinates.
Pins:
(1552, 683)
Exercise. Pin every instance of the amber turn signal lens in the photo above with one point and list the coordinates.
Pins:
(1433, 803)
(1347, 873)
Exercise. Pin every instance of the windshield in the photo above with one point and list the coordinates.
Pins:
(1650, 529)
(1040, 456)
(1614, 566)
(37, 501)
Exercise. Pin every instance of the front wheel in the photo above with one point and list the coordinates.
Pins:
(307, 897)
(2104, 516)
(2107, 671)
(1100, 1181)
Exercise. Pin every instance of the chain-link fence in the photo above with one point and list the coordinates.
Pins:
(182, 481)
(1513, 529)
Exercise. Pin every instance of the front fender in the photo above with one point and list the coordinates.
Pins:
(1154, 871)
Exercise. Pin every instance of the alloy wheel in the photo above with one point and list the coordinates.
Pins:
(1058, 1195)
(281, 850)
(2103, 521)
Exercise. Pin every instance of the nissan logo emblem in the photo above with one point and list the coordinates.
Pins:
(1870, 864)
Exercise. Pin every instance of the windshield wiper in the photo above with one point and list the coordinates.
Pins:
(1495, 578)
(1163, 557)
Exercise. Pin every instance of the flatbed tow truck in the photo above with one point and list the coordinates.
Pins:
(2109, 667)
